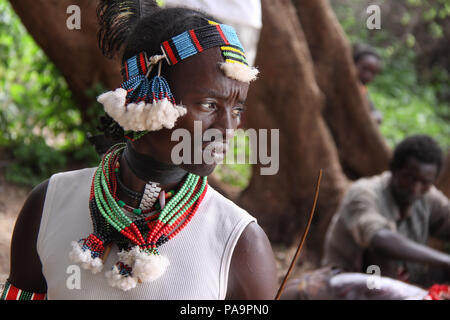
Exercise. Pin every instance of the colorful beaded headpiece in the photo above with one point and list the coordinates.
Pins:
(197, 40)
(142, 105)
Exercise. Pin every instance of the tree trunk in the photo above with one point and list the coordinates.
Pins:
(74, 52)
(287, 97)
(361, 147)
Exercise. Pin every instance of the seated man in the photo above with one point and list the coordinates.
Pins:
(386, 220)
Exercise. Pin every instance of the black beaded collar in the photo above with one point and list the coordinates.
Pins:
(149, 169)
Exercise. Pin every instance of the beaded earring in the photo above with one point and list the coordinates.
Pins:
(142, 105)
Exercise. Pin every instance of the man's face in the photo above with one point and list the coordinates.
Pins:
(412, 181)
(211, 99)
(368, 67)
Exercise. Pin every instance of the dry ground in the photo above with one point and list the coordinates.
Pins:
(12, 198)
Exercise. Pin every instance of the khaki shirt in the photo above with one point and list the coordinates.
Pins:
(368, 207)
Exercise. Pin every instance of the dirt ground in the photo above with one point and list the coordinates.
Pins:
(12, 198)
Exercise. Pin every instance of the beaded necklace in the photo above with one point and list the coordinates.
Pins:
(138, 240)
(130, 193)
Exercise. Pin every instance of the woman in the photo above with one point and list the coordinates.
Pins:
(148, 228)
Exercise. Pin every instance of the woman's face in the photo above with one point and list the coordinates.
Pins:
(213, 101)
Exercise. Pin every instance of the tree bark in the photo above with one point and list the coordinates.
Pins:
(362, 149)
(287, 97)
(74, 52)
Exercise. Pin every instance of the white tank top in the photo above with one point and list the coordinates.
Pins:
(199, 255)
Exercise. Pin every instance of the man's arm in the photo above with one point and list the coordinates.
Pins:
(399, 247)
(439, 215)
(253, 272)
(26, 268)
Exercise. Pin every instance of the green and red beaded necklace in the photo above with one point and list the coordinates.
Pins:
(139, 239)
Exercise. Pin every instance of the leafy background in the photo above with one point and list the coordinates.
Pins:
(412, 97)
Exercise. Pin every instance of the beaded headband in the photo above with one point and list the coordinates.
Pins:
(194, 41)
(142, 105)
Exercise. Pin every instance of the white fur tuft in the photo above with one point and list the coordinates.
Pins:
(146, 267)
(114, 102)
(140, 116)
(149, 267)
(116, 280)
(128, 256)
(239, 71)
(84, 258)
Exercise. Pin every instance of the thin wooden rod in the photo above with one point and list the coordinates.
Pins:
(303, 238)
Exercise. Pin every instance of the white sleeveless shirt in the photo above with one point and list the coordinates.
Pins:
(199, 255)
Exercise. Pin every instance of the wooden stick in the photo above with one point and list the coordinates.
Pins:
(302, 241)
(106, 252)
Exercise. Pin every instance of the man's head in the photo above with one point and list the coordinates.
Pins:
(415, 166)
(367, 62)
(204, 83)
(211, 99)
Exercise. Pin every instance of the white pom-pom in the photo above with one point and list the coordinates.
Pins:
(79, 255)
(96, 265)
(84, 258)
(140, 116)
(128, 256)
(116, 280)
(239, 71)
(162, 114)
(149, 267)
(114, 102)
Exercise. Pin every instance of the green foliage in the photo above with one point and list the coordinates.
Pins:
(160, 3)
(35, 162)
(235, 174)
(37, 111)
(410, 104)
